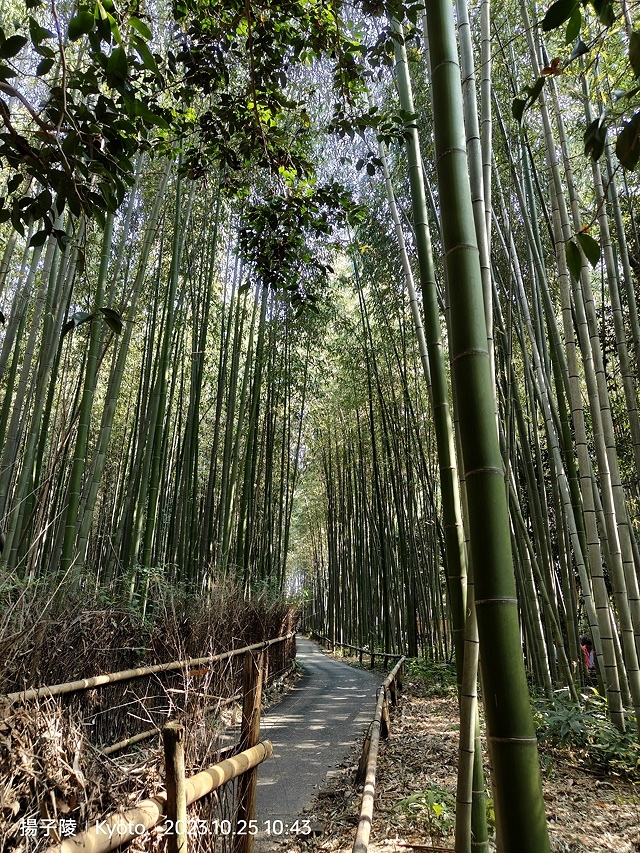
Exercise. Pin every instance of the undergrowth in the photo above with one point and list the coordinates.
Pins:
(48, 636)
(584, 735)
(432, 678)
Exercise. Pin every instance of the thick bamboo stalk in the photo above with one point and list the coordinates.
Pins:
(120, 827)
(519, 804)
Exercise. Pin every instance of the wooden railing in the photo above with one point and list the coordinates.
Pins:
(387, 656)
(274, 663)
(170, 805)
(369, 757)
(123, 826)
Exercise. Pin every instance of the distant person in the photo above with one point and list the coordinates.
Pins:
(588, 657)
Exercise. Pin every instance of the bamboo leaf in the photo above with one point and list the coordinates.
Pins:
(574, 259)
(590, 247)
(634, 52)
(113, 320)
(558, 13)
(573, 27)
(628, 143)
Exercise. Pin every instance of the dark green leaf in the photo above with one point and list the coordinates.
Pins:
(38, 238)
(558, 13)
(634, 52)
(37, 32)
(82, 24)
(117, 64)
(628, 143)
(517, 108)
(14, 182)
(76, 320)
(6, 73)
(44, 66)
(536, 89)
(574, 259)
(590, 247)
(145, 55)
(605, 11)
(573, 27)
(595, 137)
(579, 50)
(113, 320)
(3, 319)
(12, 46)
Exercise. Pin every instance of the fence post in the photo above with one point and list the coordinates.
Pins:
(384, 719)
(361, 772)
(392, 692)
(173, 740)
(249, 736)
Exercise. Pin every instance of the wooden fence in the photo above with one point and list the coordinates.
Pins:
(386, 656)
(369, 757)
(104, 702)
(259, 661)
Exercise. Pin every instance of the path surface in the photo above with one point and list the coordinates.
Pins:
(312, 730)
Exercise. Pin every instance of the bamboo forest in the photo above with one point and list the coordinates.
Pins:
(331, 308)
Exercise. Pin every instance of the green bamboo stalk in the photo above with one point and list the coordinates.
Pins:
(519, 805)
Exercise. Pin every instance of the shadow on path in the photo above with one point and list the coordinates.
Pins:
(312, 730)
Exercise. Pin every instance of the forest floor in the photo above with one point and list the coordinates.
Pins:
(415, 792)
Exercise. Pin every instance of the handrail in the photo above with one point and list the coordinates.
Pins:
(120, 827)
(127, 674)
(361, 842)
(359, 648)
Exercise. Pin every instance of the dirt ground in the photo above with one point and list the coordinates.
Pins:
(415, 793)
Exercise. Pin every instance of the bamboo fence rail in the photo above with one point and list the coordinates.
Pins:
(369, 758)
(128, 674)
(362, 651)
(123, 826)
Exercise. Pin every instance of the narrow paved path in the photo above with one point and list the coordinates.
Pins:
(312, 730)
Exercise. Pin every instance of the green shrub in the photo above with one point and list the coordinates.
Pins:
(434, 808)
(436, 678)
(586, 732)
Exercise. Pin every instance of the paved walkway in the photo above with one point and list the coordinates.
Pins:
(312, 730)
